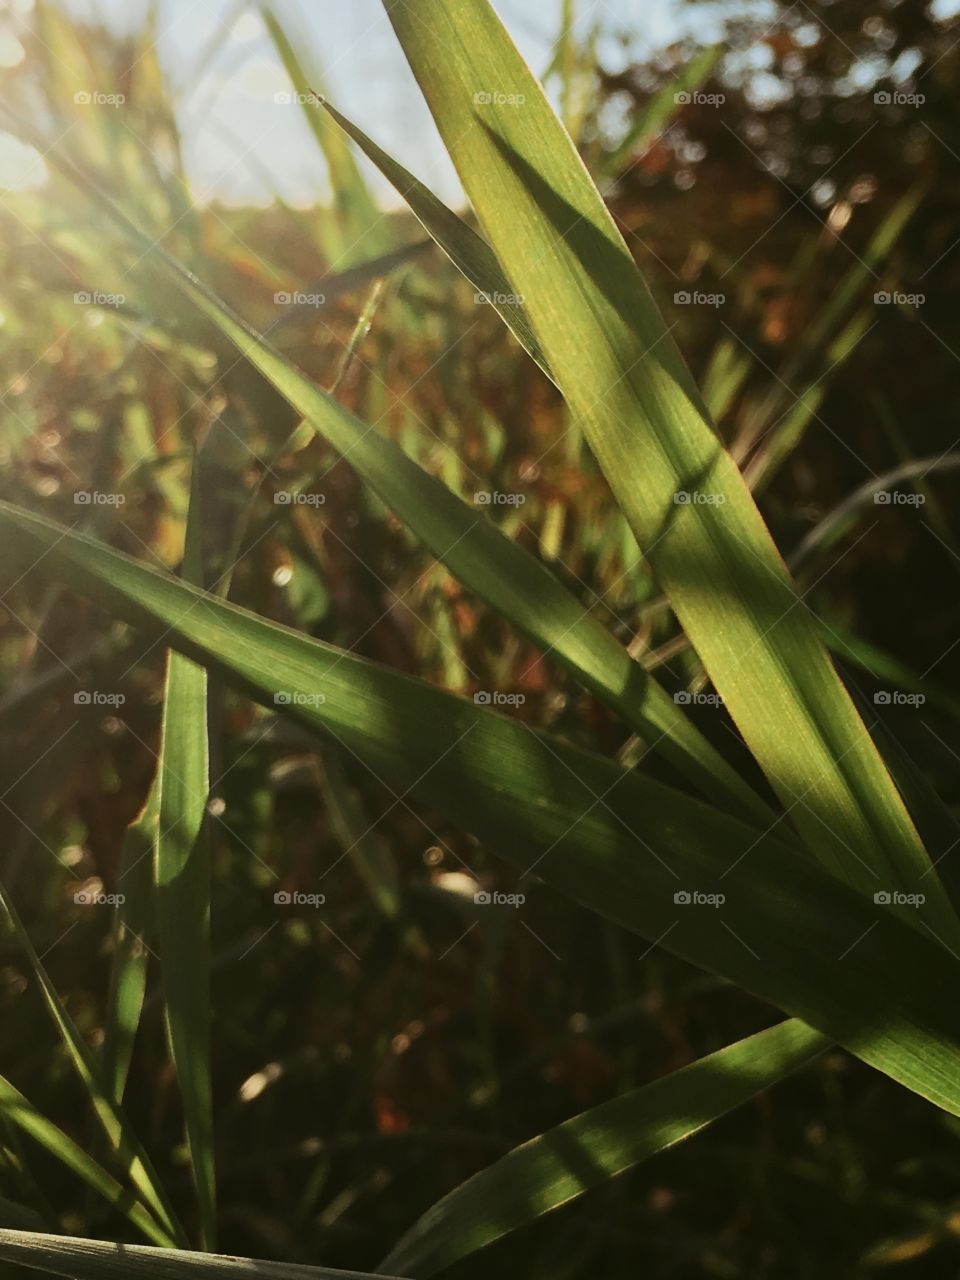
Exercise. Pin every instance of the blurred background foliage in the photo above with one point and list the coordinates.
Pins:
(371, 1054)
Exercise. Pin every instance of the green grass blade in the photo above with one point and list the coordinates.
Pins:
(133, 924)
(474, 549)
(182, 873)
(97, 1260)
(626, 383)
(121, 1136)
(21, 1112)
(617, 842)
(584, 1152)
(363, 228)
(468, 252)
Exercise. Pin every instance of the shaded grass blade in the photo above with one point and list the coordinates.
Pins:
(97, 1260)
(19, 1111)
(617, 842)
(596, 1145)
(133, 924)
(137, 1162)
(474, 549)
(182, 873)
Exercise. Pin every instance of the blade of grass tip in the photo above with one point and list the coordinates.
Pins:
(623, 377)
(364, 230)
(472, 547)
(182, 872)
(15, 1108)
(81, 1259)
(656, 115)
(876, 980)
(468, 252)
(138, 1166)
(133, 922)
(567, 1161)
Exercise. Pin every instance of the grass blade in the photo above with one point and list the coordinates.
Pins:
(182, 872)
(19, 1111)
(133, 923)
(115, 1125)
(468, 252)
(474, 549)
(584, 1152)
(617, 842)
(625, 381)
(96, 1260)
(363, 230)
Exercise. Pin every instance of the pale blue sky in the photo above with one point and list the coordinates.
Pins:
(240, 142)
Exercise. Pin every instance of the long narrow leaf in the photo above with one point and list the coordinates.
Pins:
(132, 923)
(469, 253)
(625, 381)
(115, 1125)
(21, 1112)
(620, 843)
(97, 1260)
(586, 1151)
(183, 888)
(475, 550)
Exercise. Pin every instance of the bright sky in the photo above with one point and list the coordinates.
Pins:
(243, 146)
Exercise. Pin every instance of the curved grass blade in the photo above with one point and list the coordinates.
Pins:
(835, 521)
(691, 512)
(137, 1162)
(474, 549)
(97, 1260)
(596, 1145)
(630, 848)
(21, 1112)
